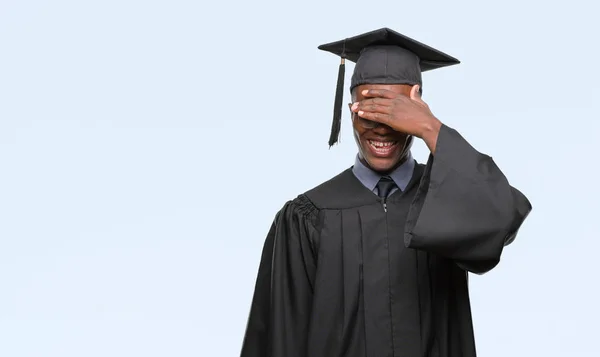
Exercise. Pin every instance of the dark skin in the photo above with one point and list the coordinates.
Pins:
(401, 113)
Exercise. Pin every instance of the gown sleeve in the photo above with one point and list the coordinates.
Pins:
(465, 209)
(280, 309)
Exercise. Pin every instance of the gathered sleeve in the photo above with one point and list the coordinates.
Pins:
(465, 209)
(281, 306)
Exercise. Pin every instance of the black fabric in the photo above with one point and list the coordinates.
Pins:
(385, 186)
(336, 125)
(382, 56)
(386, 65)
(385, 56)
(342, 276)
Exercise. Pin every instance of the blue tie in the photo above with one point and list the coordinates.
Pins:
(385, 186)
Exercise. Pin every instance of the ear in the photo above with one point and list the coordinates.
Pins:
(414, 92)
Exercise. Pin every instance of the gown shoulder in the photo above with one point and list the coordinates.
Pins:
(343, 191)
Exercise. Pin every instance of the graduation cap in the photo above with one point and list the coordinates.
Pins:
(382, 56)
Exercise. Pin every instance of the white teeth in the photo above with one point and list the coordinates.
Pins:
(381, 144)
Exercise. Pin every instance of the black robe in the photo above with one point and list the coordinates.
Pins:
(340, 276)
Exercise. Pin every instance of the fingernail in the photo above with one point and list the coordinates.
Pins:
(365, 92)
(354, 106)
(360, 112)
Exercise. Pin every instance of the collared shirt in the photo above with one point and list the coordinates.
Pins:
(369, 178)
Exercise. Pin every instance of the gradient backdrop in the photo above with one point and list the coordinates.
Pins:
(145, 147)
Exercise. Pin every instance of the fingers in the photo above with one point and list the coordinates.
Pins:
(375, 105)
(381, 93)
(373, 109)
(378, 117)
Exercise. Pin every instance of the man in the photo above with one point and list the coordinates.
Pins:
(374, 262)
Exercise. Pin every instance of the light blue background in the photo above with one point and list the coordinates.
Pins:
(145, 147)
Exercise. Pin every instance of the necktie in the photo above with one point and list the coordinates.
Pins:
(385, 186)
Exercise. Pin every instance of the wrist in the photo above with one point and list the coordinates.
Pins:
(430, 131)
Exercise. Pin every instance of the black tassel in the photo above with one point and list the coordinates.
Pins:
(337, 105)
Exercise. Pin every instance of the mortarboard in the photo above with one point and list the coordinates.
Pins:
(382, 56)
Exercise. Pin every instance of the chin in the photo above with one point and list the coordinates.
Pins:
(382, 165)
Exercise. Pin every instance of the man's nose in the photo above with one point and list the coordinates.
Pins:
(382, 129)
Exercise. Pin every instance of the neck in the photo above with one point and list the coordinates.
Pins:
(398, 164)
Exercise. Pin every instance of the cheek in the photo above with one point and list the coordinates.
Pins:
(358, 133)
(356, 136)
(358, 129)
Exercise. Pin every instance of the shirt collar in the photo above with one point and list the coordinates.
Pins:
(369, 178)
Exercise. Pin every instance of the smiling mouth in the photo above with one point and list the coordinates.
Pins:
(382, 147)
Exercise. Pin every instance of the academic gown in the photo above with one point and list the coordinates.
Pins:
(342, 276)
